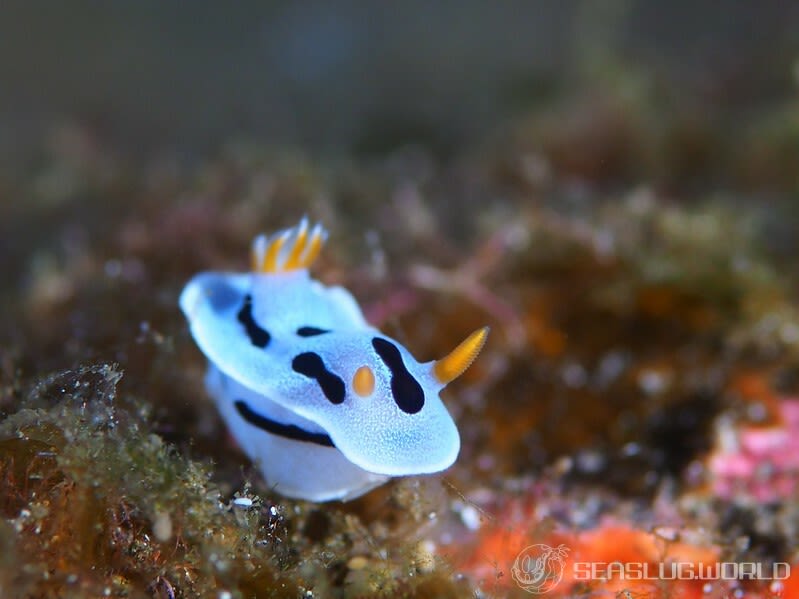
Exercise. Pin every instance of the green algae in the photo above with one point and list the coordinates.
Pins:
(96, 505)
(109, 508)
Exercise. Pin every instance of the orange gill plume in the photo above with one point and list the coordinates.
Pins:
(291, 249)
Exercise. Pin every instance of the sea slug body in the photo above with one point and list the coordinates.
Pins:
(326, 404)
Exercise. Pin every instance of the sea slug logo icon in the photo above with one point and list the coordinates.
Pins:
(538, 568)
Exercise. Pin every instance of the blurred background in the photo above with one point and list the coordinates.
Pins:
(360, 77)
(610, 185)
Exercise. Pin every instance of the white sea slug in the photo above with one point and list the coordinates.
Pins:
(326, 404)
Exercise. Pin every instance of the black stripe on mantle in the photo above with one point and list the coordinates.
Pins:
(289, 431)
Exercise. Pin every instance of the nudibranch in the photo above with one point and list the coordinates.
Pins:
(326, 404)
